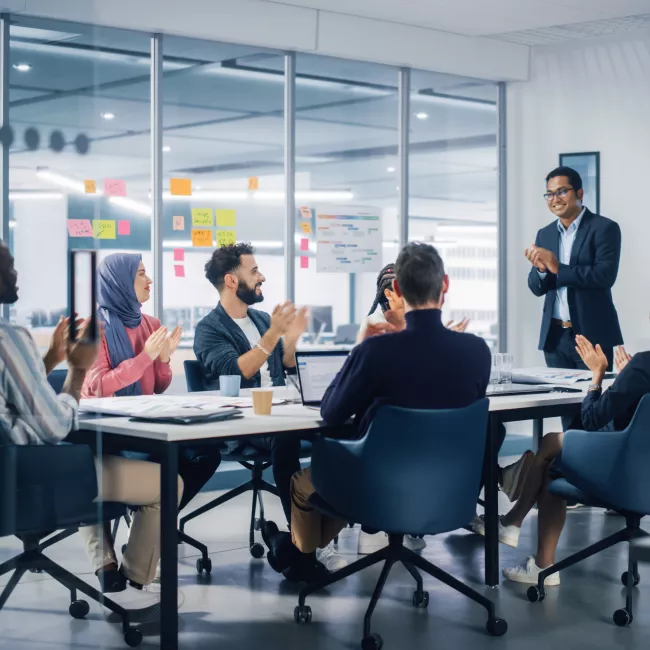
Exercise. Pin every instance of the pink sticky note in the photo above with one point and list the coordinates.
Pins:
(304, 244)
(304, 262)
(123, 227)
(179, 222)
(80, 228)
(179, 270)
(179, 255)
(114, 187)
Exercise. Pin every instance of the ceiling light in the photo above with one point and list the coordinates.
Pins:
(166, 149)
(390, 169)
(62, 181)
(35, 196)
(422, 116)
(216, 195)
(22, 67)
(131, 205)
(107, 116)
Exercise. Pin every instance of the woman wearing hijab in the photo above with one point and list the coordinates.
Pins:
(133, 359)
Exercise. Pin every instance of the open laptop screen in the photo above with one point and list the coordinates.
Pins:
(316, 370)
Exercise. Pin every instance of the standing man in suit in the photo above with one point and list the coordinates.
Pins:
(575, 264)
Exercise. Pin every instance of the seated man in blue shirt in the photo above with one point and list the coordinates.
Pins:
(424, 366)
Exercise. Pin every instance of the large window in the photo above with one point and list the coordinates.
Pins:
(453, 189)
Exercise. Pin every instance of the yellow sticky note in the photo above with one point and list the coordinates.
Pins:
(90, 187)
(202, 217)
(306, 227)
(201, 237)
(104, 229)
(226, 218)
(226, 237)
(253, 183)
(180, 186)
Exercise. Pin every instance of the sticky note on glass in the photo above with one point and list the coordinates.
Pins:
(201, 237)
(80, 228)
(202, 217)
(253, 183)
(305, 212)
(124, 227)
(114, 187)
(179, 222)
(180, 186)
(179, 255)
(306, 227)
(304, 244)
(104, 229)
(226, 237)
(179, 270)
(90, 187)
(226, 218)
(304, 262)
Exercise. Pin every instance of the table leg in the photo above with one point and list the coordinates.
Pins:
(169, 548)
(492, 504)
(538, 433)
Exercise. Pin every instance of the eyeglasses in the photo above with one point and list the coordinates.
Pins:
(560, 193)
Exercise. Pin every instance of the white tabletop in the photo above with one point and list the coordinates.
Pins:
(286, 418)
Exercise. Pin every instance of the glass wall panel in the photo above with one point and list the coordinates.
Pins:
(453, 189)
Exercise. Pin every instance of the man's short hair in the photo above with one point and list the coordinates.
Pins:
(224, 260)
(419, 272)
(575, 180)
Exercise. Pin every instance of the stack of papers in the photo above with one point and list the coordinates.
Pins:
(559, 376)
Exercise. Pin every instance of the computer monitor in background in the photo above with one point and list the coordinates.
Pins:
(320, 321)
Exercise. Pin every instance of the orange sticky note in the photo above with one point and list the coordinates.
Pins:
(179, 270)
(114, 187)
(201, 237)
(180, 186)
(305, 212)
(306, 227)
(90, 187)
(253, 183)
(179, 222)
(304, 244)
(304, 262)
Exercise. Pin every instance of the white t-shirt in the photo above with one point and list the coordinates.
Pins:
(252, 334)
(376, 317)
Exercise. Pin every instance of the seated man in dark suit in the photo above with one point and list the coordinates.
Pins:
(424, 366)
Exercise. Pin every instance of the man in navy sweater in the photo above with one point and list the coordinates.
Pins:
(423, 366)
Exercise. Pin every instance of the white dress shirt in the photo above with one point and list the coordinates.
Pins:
(567, 237)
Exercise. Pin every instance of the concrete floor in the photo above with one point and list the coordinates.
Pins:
(245, 605)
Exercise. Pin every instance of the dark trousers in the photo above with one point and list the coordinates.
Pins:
(560, 352)
(285, 457)
(196, 468)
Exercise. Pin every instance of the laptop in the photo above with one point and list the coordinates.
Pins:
(316, 370)
(497, 390)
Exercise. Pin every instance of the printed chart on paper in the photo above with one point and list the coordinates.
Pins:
(349, 240)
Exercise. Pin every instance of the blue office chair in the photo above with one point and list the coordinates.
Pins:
(56, 379)
(250, 457)
(415, 472)
(46, 489)
(607, 469)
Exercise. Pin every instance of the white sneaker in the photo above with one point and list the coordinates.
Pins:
(369, 544)
(528, 573)
(331, 558)
(508, 535)
(414, 543)
(136, 599)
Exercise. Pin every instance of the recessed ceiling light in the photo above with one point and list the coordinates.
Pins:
(422, 116)
(22, 67)
(107, 116)
(198, 187)
(167, 148)
(390, 169)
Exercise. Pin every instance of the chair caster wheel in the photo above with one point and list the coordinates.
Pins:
(372, 642)
(259, 524)
(421, 599)
(535, 594)
(496, 627)
(257, 551)
(133, 637)
(123, 549)
(204, 565)
(637, 579)
(622, 618)
(35, 570)
(302, 614)
(79, 608)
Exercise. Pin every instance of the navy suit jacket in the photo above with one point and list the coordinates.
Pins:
(426, 366)
(589, 278)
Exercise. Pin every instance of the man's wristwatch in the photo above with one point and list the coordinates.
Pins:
(597, 387)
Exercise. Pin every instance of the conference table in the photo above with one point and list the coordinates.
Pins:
(165, 440)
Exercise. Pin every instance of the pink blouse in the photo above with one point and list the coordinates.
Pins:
(155, 376)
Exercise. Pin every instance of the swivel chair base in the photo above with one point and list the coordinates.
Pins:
(392, 554)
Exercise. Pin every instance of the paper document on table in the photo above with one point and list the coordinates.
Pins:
(559, 376)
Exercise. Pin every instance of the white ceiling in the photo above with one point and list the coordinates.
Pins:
(481, 17)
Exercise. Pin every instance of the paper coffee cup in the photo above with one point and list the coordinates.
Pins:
(262, 400)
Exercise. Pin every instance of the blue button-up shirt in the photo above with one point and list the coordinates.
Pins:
(567, 237)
